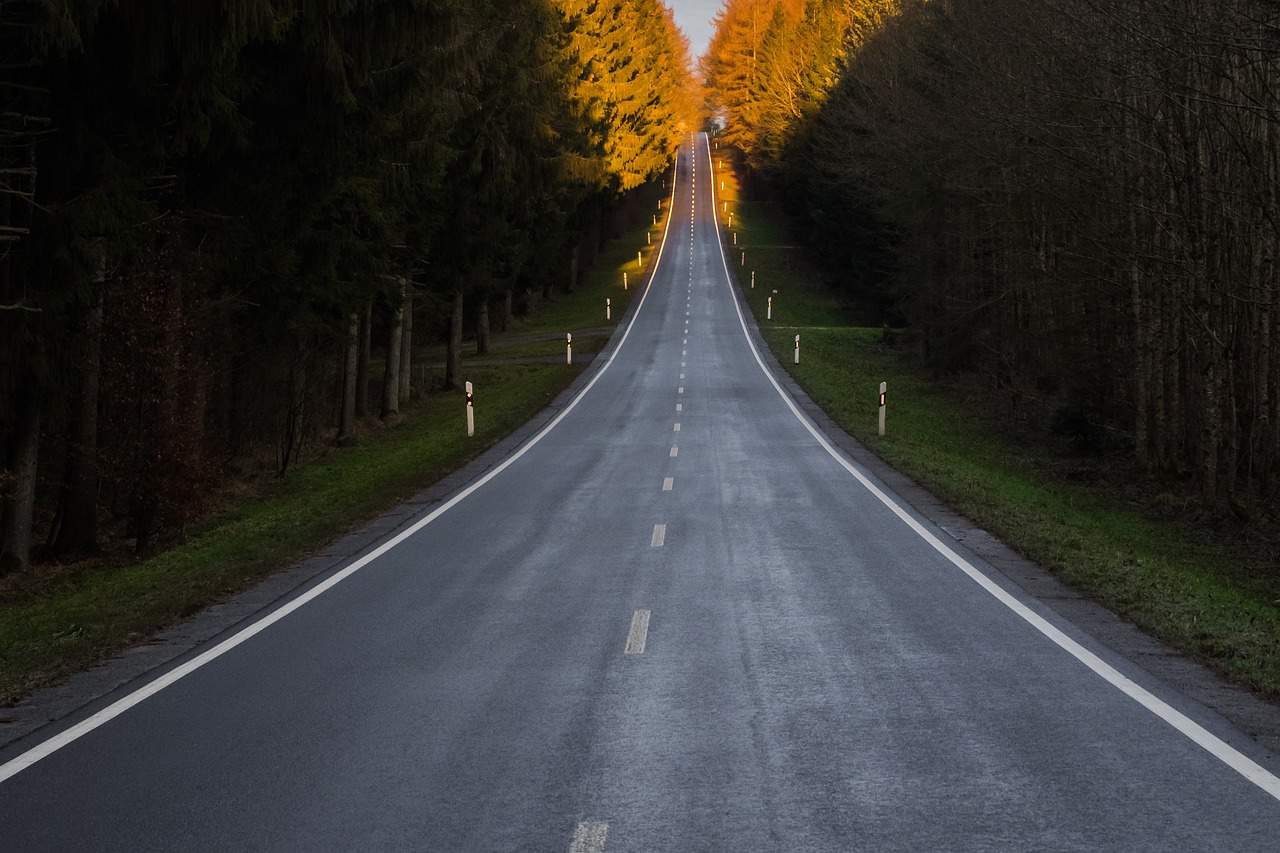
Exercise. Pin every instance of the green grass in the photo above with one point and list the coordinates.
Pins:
(82, 616)
(1205, 599)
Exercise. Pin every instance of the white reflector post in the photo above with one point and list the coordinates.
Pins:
(797, 349)
(884, 393)
(471, 410)
(568, 348)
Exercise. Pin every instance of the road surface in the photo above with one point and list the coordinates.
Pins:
(676, 622)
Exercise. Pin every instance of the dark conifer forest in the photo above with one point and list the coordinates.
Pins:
(215, 216)
(1074, 199)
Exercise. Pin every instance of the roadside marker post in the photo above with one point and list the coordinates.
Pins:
(797, 349)
(568, 348)
(884, 393)
(648, 238)
(744, 259)
(769, 311)
(640, 258)
(753, 279)
(735, 238)
(471, 410)
(655, 219)
(608, 308)
(730, 220)
(624, 281)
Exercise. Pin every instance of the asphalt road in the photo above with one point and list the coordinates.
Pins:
(676, 622)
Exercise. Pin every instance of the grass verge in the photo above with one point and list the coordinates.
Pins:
(1210, 600)
(83, 616)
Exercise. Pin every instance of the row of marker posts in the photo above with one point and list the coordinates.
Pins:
(568, 338)
(608, 315)
(884, 386)
(568, 360)
(608, 302)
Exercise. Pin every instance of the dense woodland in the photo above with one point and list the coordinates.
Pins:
(216, 215)
(1075, 199)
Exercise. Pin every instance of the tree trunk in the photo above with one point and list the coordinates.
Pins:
(224, 403)
(1141, 360)
(453, 355)
(347, 424)
(20, 502)
(295, 420)
(482, 328)
(406, 349)
(391, 377)
(362, 363)
(574, 255)
(78, 528)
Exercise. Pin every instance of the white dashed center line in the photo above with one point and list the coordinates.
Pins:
(589, 837)
(637, 636)
(659, 536)
(668, 484)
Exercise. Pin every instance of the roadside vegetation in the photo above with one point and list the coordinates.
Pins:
(1210, 591)
(59, 619)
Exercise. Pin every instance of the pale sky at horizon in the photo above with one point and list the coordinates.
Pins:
(695, 18)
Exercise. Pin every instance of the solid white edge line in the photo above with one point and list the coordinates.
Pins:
(1198, 734)
(55, 742)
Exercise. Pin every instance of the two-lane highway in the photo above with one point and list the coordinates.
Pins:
(676, 620)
